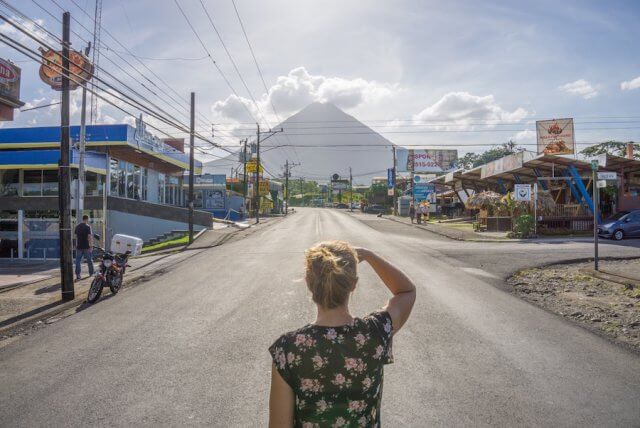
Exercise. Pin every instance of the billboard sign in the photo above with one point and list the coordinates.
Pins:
(522, 192)
(252, 166)
(9, 89)
(80, 69)
(555, 137)
(340, 185)
(429, 160)
(264, 188)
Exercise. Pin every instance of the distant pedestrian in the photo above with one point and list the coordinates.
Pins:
(330, 373)
(84, 242)
(412, 211)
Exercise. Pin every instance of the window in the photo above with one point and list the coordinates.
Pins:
(144, 181)
(137, 177)
(91, 184)
(32, 183)
(130, 181)
(113, 166)
(9, 182)
(122, 180)
(50, 182)
(161, 185)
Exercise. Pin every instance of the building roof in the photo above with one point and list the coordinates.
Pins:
(119, 137)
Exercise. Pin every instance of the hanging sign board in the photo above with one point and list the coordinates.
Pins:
(80, 69)
(264, 188)
(555, 137)
(601, 184)
(9, 89)
(607, 175)
(522, 192)
(252, 165)
(390, 182)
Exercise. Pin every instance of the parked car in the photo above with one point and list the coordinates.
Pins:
(375, 209)
(623, 224)
(342, 206)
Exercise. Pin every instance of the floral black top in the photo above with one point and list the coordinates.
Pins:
(336, 372)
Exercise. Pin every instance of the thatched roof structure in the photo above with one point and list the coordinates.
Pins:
(483, 200)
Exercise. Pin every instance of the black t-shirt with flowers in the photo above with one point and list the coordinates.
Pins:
(336, 372)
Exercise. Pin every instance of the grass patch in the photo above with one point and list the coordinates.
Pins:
(178, 242)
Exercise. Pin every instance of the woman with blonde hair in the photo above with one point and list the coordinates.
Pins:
(329, 373)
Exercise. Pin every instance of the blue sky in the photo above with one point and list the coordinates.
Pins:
(447, 66)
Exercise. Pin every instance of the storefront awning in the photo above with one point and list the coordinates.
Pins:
(49, 159)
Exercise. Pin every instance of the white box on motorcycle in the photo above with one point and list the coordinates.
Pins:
(123, 243)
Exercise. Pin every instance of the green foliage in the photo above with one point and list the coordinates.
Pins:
(523, 226)
(616, 148)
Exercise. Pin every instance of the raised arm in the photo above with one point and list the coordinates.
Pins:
(402, 288)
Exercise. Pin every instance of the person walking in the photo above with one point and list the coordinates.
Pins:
(330, 372)
(84, 242)
(412, 211)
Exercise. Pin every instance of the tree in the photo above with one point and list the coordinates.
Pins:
(472, 160)
(616, 148)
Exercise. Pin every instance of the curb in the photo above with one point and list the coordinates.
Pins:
(612, 277)
(457, 238)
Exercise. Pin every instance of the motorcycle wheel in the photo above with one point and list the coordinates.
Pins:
(115, 284)
(95, 290)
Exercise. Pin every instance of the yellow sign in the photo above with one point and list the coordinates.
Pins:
(252, 165)
(264, 188)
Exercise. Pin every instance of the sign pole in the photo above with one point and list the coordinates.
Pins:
(64, 197)
(596, 203)
(535, 209)
(191, 164)
(395, 198)
(257, 188)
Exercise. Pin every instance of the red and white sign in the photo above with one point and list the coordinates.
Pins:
(9, 89)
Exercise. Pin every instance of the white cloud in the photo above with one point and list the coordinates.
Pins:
(464, 110)
(31, 27)
(525, 136)
(299, 88)
(580, 87)
(630, 84)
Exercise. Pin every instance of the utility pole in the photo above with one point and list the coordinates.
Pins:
(191, 163)
(350, 190)
(301, 193)
(244, 164)
(286, 187)
(257, 185)
(395, 198)
(596, 203)
(64, 178)
(82, 144)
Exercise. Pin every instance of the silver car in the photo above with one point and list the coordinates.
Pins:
(623, 224)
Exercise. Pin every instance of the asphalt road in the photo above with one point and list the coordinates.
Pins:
(190, 347)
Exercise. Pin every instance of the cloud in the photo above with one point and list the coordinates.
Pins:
(464, 109)
(31, 27)
(525, 136)
(630, 84)
(300, 88)
(580, 87)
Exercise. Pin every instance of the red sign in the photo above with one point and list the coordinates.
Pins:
(9, 89)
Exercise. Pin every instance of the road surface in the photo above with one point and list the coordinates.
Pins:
(190, 348)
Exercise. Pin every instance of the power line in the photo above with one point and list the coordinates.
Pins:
(215, 64)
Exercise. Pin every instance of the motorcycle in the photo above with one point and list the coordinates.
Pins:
(110, 272)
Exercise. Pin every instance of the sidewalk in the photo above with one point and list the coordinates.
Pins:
(32, 291)
(456, 231)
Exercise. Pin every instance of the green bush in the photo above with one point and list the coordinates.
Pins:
(523, 226)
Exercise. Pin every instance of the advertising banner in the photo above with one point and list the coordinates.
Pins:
(424, 192)
(507, 163)
(340, 185)
(555, 137)
(390, 183)
(429, 160)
